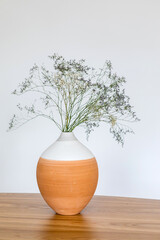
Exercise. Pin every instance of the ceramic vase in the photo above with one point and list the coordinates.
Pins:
(67, 175)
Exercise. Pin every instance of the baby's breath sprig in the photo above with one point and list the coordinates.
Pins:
(81, 95)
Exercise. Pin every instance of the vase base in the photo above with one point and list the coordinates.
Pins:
(67, 186)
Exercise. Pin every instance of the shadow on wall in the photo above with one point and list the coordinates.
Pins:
(117, 176)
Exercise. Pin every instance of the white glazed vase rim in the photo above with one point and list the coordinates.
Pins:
(67, 136)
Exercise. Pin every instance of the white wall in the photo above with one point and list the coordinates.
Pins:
(124, 31)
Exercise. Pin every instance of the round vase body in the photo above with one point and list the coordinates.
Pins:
(67, 175)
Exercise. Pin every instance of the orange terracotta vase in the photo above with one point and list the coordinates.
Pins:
(67, 175)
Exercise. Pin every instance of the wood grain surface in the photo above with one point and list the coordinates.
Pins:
(27, 216)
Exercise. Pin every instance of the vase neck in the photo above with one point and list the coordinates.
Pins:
(67, 136)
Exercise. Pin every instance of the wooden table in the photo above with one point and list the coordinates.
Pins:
(27, 216)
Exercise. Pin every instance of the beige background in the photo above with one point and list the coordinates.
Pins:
(124, 31)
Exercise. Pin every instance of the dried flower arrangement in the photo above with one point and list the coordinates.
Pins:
(82, 96)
